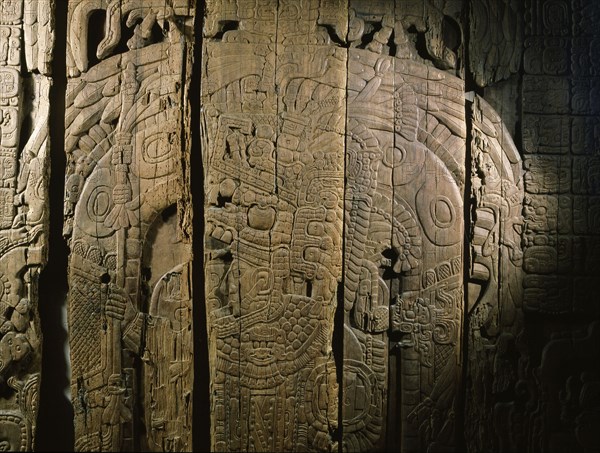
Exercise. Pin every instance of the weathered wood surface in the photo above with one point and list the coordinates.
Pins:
(535, 370)
(495, 39)
(494, 308)
(26, 41)
(274, 125)
(130, 300)
(356, 197)
(403, 293)
(403, 270)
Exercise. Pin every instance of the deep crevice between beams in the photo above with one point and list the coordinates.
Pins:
(470, 86)
(201, 423)
(337, 343)
(55, 413)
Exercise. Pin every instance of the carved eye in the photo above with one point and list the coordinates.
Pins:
(260, 147)
(330, 199)
(315, 229)
(311, 254)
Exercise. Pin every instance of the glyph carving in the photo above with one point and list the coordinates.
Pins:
(536, 306)
(26, 41)
(274, 123)
(404, 228)
(495, 291)
(495, 40)
(401, 222)
(129, 272)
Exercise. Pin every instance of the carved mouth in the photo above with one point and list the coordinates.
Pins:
(262, 356)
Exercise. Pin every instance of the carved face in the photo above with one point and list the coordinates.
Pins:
(488, 169)
(170, 300)
(73, 188)
(18, 345)
(13, 347)
(263, 345)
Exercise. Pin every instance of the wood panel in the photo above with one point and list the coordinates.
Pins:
(274, 124)
(130, 299)
(404, 231)
(400, 222)
(26, 42)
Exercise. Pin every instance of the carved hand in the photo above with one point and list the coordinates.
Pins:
(119, 306)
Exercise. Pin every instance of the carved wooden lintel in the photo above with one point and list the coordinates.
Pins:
(350, 183)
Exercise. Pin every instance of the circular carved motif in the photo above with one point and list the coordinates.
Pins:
(438, 213)
(99, 203)
(95, 205)
(442, 211)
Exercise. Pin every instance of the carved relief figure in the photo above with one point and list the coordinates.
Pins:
(130, 300)
(496, 276)
(350, 181)
(269, 245)
(24, 163)
(403, 293)
(273, 122)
